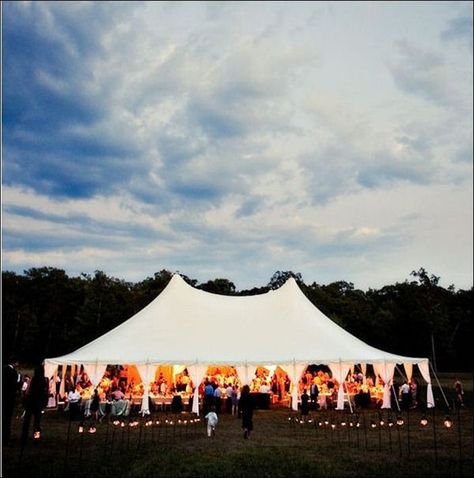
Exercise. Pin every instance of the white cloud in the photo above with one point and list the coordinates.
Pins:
(224, 139)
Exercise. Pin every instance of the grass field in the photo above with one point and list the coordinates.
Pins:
(278, 447)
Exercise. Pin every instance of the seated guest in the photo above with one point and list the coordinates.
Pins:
(264, 388)
(84, 381)
(117, 394)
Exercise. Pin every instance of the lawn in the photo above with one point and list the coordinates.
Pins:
(330, 445)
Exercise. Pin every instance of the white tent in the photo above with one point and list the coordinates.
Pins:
(191, 327)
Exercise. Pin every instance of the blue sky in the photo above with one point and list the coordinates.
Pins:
(236, 139)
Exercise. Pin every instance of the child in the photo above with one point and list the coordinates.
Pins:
(212, 420)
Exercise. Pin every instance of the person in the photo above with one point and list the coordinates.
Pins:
(35, 400)
(264, 388)
(74, 403)
(405, 395)
(228, 403)
(414, 393)
(314, 392)
(217, 399)
(10, 387)
(177, 404)
(246, 407)
(212, 420)
(84, 381)
(208, 397)
(458, 393)
(95, 405)
(304, 405)
(235, 400)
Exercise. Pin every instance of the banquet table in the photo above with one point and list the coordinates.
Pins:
(117, 408)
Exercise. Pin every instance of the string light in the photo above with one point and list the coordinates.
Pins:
(37, 435)
(423, 421)
(92, 429)
(80, 429)
(400, 421)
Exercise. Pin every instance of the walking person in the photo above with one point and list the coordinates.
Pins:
(36, 399)
(212, 420)
(304, 405)
(11, 384)
(246, 407)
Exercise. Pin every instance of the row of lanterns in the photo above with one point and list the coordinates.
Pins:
(448, 423)
(148, 423)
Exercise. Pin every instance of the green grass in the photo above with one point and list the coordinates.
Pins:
(278, 448)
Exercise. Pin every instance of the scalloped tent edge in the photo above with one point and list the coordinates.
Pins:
(187, 326)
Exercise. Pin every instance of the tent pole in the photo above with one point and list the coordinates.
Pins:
(401, 373)
(439, 385)
(396, 398)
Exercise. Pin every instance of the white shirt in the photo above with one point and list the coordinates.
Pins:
(74, 396)
(405, 388)
(212, 419)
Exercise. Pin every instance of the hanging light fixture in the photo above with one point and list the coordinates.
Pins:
(400, 421)
(37, 435)
(80, 429)
(423, 421)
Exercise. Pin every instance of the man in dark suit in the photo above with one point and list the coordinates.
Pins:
(11, 384)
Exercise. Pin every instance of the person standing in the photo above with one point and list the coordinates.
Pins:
(217, 399)
(405, 395)
(314, 392)
(458, 393)
(246, 409)
(36, 399)
(304, 405)
(11, 385)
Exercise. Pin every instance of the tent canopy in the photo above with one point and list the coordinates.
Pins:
(184, 325)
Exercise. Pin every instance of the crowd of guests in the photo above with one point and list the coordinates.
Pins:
(221, 392)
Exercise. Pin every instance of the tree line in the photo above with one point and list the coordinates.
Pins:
(46, 313)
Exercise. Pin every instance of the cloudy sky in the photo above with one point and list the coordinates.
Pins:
(236, 139)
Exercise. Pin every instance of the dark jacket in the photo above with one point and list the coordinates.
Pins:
(36, 395)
